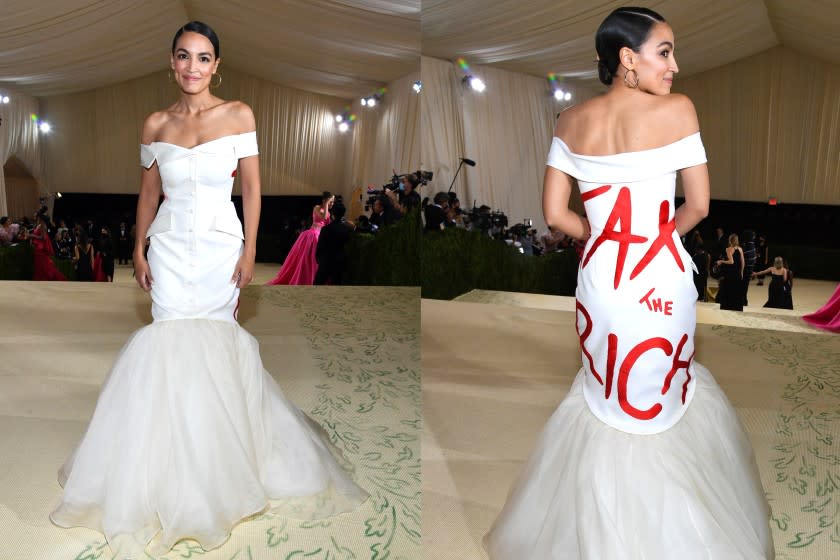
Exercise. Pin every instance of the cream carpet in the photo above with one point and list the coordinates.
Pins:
(349, 357)
(495, 365)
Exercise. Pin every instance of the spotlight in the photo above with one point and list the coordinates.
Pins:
(558, 94)
(568, 96)
(339, 118)
(364, 101)
(58, 195)
(476, 84)
(5, 98)
(371, 102)
(418, 85)
(343, 127)
(44, 126)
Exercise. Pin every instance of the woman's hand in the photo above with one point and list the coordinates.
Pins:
(244, 272)
(142, 273)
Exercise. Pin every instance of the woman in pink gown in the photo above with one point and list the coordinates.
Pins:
(300, 266)
(828, 316)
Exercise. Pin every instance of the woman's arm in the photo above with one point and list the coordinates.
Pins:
(147, 204)
(249, 171)
(695, 180)
(729, 258)
(557, 188)
(75, 253)
(742, 260)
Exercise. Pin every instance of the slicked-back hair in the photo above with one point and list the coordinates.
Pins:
(202, 29)
(624, 27)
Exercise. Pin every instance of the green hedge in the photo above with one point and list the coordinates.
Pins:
(391, 257)
(456, 261)
(17, 263)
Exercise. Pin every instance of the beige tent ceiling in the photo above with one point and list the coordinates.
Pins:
(541, 36)
(348, 48)
(345, 48)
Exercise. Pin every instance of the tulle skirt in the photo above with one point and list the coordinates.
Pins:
(300, 265)
(190, 435)
(592, 492)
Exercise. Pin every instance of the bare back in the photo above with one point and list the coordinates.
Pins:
(631, 121)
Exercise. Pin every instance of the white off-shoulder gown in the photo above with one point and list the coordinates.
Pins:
(190, 434)
(645, 458)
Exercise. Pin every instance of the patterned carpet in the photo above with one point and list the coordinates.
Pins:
(349, 357)
(504, 361)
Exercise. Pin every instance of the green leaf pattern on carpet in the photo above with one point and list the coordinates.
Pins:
(806, 463)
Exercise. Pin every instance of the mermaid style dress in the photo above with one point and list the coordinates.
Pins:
(645, 458)
(190, 434)
(300, 265)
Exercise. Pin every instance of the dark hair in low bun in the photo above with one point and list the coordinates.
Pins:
(201, 29)
(624, 27)
(326, 195)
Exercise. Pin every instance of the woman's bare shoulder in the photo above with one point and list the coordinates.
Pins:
(153, 125)
(241, 115)
(571, 118)
(678, 110)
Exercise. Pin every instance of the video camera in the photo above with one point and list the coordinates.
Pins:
(397, 185)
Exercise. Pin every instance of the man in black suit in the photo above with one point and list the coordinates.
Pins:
(329, 253)
(436, 214)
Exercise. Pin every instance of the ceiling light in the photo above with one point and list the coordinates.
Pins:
(44, 126)
(477, 84)
(339, 118)
(343, 127)
(418, 85)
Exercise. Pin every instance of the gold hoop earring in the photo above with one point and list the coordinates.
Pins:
(170, 77)
(214, 86)
(635, 83)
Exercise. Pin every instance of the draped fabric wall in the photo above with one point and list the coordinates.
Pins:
(94, 145)
(19, 137)
(386, 138)
(507, 130)
(442, 124)
(769, 123)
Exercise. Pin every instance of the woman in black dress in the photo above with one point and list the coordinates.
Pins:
(732, 295)
(778, 291)
(83, 257)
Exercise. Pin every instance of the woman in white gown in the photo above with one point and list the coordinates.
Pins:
(645, 458)
(190, 434)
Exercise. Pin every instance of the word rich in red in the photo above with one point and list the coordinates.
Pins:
(628, 361)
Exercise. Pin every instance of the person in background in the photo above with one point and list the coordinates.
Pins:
(300, 267)
(749, 261)
(43, 267)
(83, 257)
(330, 252)
(123, 243)
(731, 291)
(761, 254)
(6, 235)
(106, 252)
(778, 291)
